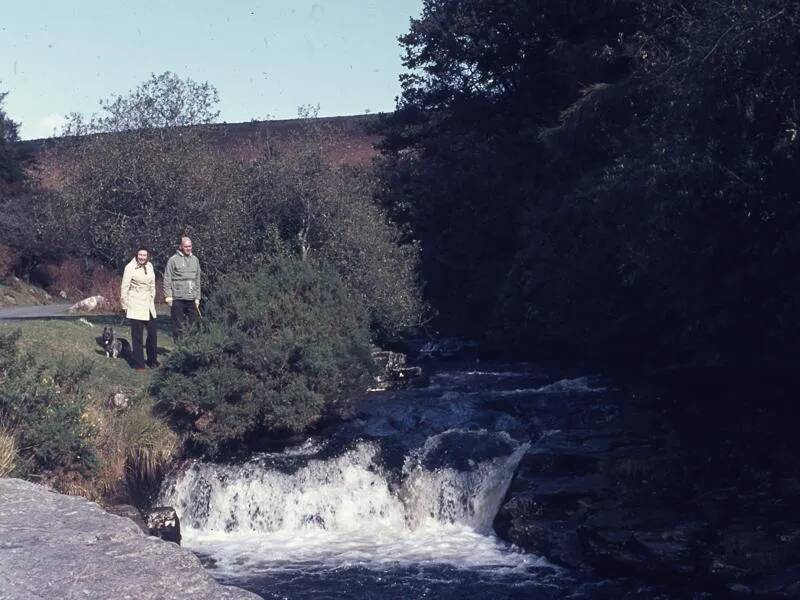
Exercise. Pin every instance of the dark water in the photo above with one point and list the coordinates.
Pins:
(397, 503)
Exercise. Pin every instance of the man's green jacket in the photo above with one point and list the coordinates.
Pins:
(182, 277)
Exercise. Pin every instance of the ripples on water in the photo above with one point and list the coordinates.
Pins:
(303, 523)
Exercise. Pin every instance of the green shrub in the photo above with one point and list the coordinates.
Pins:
(283, 347)
(43, 407)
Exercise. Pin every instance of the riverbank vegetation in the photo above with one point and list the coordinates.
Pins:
(302, 269)
(604, 181)
(75, 419)
(284, 347)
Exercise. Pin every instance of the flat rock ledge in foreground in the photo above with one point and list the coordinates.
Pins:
(57, 546)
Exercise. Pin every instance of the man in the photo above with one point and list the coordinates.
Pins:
(182, 287)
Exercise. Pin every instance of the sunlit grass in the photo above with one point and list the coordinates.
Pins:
(70, 338)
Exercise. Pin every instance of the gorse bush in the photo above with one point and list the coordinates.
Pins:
(283, 347)
(43, 407)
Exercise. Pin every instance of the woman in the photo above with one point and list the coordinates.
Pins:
(137, 298)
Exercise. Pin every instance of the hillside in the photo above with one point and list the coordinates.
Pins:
(351, 140)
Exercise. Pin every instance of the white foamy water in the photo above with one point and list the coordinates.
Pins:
(578, 385)
(347, 512)
(446, 495)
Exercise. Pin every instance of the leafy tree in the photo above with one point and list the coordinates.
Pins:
(285, 346)
(164, 100)
(131, 174)
(677, 240)
(328, 213)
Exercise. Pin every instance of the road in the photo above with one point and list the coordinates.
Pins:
(34, 312)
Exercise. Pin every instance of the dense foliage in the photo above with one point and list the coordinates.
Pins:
(42, 407)
(127, 178)
(283, 346)
(10, 169)
(609, 178)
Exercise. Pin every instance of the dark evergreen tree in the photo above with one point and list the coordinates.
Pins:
(10, 167)
(607, 178)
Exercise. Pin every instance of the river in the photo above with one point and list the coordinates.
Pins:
(399, 502)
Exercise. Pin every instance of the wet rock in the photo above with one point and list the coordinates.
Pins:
(386, 360)
(55, 546)
(645, 540)
(534, 527)
(561, 491)
(162, 522)
(784, 584)
(544, 462)
(394, 374)
(448, 348)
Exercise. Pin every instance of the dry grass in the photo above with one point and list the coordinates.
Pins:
(79, 279)
(69, 277)
(134, 447)
(8, 452)
(107, 284)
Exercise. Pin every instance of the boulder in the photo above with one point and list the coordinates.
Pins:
(90, 304)
(55, 546)
(535, 528)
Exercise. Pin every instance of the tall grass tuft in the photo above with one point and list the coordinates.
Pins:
(8, 452)
(135, 448)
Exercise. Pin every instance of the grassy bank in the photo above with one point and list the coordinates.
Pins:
(72, 339)
(131, 444)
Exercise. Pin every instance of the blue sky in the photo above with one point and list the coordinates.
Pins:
(265, 57)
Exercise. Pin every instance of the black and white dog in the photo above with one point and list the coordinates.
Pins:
(113, 345)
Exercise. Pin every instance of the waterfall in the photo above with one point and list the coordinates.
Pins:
(398, 502)
(469, 490)
(344, 493)
(456, 478)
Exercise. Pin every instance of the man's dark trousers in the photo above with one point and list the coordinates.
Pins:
(137, 328)
(182, 311)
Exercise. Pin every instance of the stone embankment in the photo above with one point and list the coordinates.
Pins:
(64, 547)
